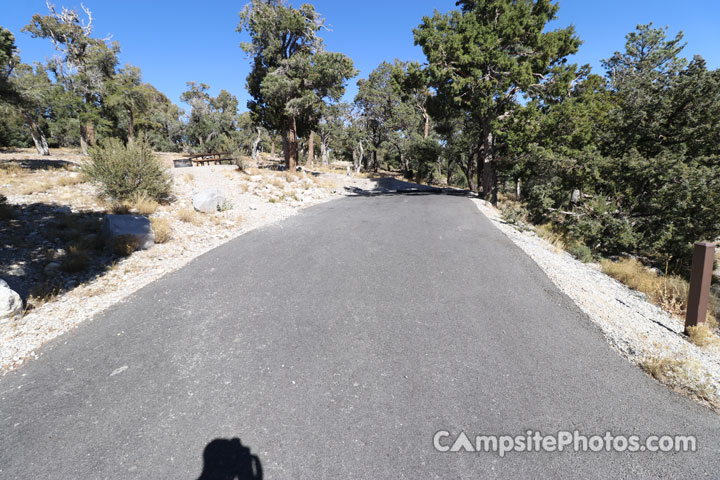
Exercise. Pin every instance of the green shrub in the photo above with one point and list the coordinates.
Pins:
(582, 252)
(514, 214)
(124, 172)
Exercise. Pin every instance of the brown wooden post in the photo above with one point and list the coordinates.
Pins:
(700, 277)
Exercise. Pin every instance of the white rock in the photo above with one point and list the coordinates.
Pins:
(209, 201)
(129, 225)
(10, 302)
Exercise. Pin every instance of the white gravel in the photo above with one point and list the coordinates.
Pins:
(637, 329)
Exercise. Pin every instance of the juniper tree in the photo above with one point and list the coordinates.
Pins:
(484, 55)
(85, 63)
(292, 75)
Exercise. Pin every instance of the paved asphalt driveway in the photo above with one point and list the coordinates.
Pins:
(334, 345)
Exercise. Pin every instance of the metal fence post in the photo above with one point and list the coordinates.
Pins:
(700, 277)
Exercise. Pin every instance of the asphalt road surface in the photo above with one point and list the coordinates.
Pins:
(334, 345)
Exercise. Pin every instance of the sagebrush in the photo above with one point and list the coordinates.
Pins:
(124, 172)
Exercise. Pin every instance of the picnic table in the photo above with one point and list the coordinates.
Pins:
(201, 159)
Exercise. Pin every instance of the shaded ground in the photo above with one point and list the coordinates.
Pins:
(38, 235)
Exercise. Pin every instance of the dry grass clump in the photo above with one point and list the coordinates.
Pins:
(189, 215)
(119, 208)
(140, 203)
(143, 204)
(67, 181)
(76, 260)
(278, 182)
(9, 170)
(188, 178)
(291, 176)
(34, 185)
(554, 238)
(703, 335)
(42, 293)
(325, 182)
(669, 292)
(162, 229)
(682, 374)
(125, 245)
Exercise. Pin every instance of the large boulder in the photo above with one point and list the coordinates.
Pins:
(11, 305)
(136, 226)
(210, 201)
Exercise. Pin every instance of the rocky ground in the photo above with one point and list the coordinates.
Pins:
(53, 256)
(640, 331)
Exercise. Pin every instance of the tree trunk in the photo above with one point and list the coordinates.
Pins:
(468, 169)
(272, 147)
(375, 161)
(311, 149)
(291, 155)
(517, 189)
(37, 135)
(256, 144)
(489, 175)
(427, 125)
(324, 152)
(131, 125)
(90, 135)
(358, 153)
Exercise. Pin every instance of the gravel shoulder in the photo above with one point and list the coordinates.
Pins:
(641, 332)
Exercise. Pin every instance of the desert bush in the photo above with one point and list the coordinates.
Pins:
(122, 172)
(162, 229)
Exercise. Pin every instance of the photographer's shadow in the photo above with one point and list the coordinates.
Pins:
(230, 460)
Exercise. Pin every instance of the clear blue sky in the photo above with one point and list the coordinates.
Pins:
(174, 42)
